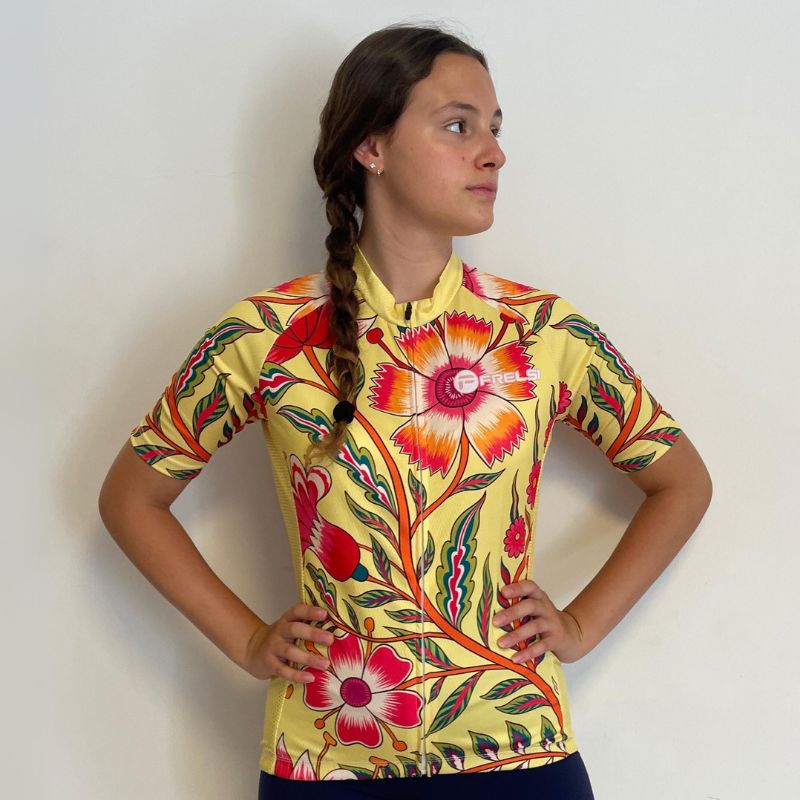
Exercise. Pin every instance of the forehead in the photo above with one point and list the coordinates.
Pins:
(455, 82)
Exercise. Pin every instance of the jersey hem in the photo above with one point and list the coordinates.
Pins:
(561, 747)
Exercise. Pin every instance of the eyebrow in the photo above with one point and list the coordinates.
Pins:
(466, 107)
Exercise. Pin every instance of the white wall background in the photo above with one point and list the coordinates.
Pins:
(158, 167)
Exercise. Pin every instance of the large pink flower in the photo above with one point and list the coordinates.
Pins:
(364, 693)
(463, 385)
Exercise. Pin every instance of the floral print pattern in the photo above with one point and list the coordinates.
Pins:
(428, 510)
(364, 693)
(455, 365)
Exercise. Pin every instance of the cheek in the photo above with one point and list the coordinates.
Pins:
(436, 162)
(430, 175)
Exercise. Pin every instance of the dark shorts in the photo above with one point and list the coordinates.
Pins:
(566, 779)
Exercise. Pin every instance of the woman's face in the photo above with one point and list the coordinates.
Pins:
(435, 153)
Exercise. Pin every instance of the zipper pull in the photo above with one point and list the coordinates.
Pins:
(408, 311)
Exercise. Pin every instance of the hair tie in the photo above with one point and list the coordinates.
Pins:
(344, 410)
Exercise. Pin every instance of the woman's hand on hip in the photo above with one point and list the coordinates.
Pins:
(272, 647)
(558, 631)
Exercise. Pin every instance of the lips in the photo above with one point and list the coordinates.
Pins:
(484, 189)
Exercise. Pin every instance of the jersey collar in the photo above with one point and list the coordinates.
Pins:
(382, 302)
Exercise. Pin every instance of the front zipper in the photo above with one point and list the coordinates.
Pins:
(421, 577)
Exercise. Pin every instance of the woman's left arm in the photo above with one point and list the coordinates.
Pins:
(678, 489)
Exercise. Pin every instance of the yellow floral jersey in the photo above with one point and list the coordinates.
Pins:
(429, 509)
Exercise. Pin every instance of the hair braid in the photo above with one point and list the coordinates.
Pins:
(344, 363)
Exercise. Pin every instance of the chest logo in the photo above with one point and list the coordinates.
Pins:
(466, 381)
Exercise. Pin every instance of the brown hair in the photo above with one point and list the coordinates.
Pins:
(368, 93)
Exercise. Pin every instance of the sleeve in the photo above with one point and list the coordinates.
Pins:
(212, 395)
(602, 396)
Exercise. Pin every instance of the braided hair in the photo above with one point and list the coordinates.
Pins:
(368, 93)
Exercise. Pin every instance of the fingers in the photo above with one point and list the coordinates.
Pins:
(293, 628)
(524, 608)
(526, 587)
(302, 656)
(529, 653)
(522, 633)
(300, 630)
(305, 611)
(531, 601)
(287, 652)
(294, 675)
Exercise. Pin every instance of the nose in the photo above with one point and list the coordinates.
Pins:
(492, 154)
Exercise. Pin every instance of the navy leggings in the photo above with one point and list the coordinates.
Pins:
(565, 779)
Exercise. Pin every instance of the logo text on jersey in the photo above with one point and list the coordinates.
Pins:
(466, 381)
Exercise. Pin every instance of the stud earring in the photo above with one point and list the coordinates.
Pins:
(372, 166)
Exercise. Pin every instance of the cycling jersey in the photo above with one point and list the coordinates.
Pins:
(428, 510)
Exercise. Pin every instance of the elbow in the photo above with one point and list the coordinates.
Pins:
(710, 488)
(704, 486)
(106, 502)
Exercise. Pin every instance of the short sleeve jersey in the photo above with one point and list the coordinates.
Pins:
(428, 510)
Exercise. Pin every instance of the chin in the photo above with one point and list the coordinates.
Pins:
(472, 227)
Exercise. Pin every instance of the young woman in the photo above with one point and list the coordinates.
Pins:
(407, 400)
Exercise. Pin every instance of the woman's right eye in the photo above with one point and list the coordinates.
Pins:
(455, 122)
(463, 122)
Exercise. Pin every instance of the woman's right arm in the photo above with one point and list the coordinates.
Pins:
(134, 505)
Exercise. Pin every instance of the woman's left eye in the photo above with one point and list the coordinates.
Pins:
(463, 122)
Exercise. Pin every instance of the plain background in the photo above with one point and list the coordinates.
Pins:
(158, 167)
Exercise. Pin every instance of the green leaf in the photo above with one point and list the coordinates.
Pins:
(606, 395)
(454, 705)
(426, 559)
(381, 560)
(211, 407)
(458, 564)
(408, 615)
(519, 737)
(410, 767)
(480, 480)
(372, 520)
(663, 435)
(325, 588)
(485, 603)
(274, 381)
(547, 730)
(354, 621)
(417, 490)
(191, 373)
(454, 755)
(485, 746)
(505, 688)
(361, 467)
(523, 704)
(542, 315)
(436, 688)
(375, 598)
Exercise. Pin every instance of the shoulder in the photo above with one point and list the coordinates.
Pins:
(529, 303)
(277, 306)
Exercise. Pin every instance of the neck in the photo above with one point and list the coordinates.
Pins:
(408, 267)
